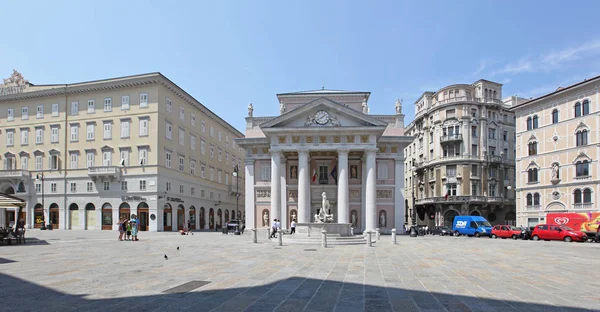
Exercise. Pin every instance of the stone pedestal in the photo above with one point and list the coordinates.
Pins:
(315, 229)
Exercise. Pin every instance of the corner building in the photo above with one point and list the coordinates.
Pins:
(325, 141)
(461, 161)
(115, 147)
(557, 153)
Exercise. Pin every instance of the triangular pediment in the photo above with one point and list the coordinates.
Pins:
(323, 112)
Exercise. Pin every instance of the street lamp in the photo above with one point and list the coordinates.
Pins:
(413, 228)
(236, 174)
(40, 177)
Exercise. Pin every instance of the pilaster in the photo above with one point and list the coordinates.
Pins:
(343, 195)
(249, 196)
(275, 187)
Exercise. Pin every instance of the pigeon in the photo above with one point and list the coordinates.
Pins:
(177, 247)
(166, 258)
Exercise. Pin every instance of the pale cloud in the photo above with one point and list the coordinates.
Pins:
(523, 65)
(481, 68)
(587, 49)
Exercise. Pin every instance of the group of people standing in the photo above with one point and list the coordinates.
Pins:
(128, 228)
(277, 227)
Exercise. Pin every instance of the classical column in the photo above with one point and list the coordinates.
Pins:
(371, 191)
(343, 196)
(275, 187)
(303, 188)
(249, 196)
(284, 193)
(363, 177)
(398, 193)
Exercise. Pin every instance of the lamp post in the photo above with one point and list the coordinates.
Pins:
(40, 177)
(413, 228)
(237, 189)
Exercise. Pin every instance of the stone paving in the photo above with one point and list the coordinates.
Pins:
(92, 271)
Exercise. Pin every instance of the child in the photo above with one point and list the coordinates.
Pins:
(128, 230)
(134, 229)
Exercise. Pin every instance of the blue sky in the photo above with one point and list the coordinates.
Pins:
(230, 53)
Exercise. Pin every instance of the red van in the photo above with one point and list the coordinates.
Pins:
(557, 232)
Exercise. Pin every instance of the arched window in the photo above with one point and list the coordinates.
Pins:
(577, 195)
(529, 199)
(587, 196)
(536, 199)
(555, 116)
(581, 137)
(532, 175)
(577, 109)
(535, 122)
(582, 168)
(494, 94)
(529, 123)
(532, 148)
(585, 107)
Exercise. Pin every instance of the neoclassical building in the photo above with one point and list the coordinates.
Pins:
(325, 141)
(84, 154)
(558, 146)
(461, 161)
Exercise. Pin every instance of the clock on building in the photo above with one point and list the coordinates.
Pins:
(322, 117)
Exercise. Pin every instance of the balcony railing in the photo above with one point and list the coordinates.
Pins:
(533, 207)
(583, 206)
(494, 158)
(109, 172)
(14, 173)
(451, 138)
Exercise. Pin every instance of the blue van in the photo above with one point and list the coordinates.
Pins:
(471, 226)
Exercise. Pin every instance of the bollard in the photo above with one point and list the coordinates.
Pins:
(351, 231)
(279, 238)
(377, 233)
(394, 236)
(369, 243)
(269, 233)
(254, 237)
(324, 239)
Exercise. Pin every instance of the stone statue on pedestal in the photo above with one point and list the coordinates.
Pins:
(354, 219)
(398, 107)
(266, 219)
(281, 107)
(323, 216)
(365, 107)
(382, 220)
(250, 110)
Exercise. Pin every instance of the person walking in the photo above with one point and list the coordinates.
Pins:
(273, 229)
(293, 227)
(279, 226)
(121, 232)
(189, 227)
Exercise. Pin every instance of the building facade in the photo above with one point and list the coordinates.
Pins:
(85, 154)
(557, 152)
(325, 142)
(461, 161)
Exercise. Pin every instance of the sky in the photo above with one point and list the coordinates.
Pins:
(230, 53)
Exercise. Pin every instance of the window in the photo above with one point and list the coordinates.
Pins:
(212, 173)
(9, 163)
(587, 196)
(505, 136)
(585, 107)
(212, 151)
(193, 142)
(202, 147)
(582, 168)
(220, 155)
(144, 127)
(89, 186)
(180, 188)
(474, 131)
(492, 134)
(535, 122)
(106, 185)
(474, 112)
(38, 187)
(144, 100)
(91, 107)
(202, 193)
(212, 132)
(181, 163)
(202, 126)
(108, 104)
(220, 136)
(532, 148)
(124, 156)
(123, 185)
(168, 105)
(529, 123)
(577, 109)
(227, 178)
(90, 131)
(10, 137)
(450, 113)
(474, 188)
(11, 114)
(40, 111)
(451, 171)
(169, 130)
(25, 113)
(168, 159)
(219, 176)
(53, 187)
(474, 170)
(54, 162)
(106, 158)
(53, 134)
(24, 136)
(578, 197)
(74, 108)
(74, 159)
(125, 128)
(202, 170)
(89, 159)
(581, 137)
(24, 163)
(555, 116)
(74, 133)
(38, 162)
(192, 190)
(226, 158)
(451, 189)
(192, 167)
(181, 136)
(532, 175)
(108, 130)
(323, 174)
(143, 155)
(73, 187)
(529, 201)
(125, 102)
(193, 120)
(142, 185)
(54, 110)
(181, 113)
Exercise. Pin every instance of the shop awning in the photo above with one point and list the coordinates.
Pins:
(9, 201)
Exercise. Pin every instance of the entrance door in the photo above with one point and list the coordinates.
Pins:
(10, 218)
(54, 217)
(90, 216)
(74, 219)
(180, 219)
(143, 217)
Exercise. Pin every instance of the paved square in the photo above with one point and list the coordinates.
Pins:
(92, 271)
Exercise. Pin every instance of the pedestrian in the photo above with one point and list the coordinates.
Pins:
(293, 226)
(121, 232)
(273, 229)
(135, 227)
(128, 229)
(279, 226)
(189, 226)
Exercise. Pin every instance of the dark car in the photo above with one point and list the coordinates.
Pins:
(441, 230)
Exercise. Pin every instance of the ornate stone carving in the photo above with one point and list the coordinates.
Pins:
(322, 139)
(295, 139)
(293, 194)
(255, 151)
(250, 110)
(354, 194)
(265, 150)
(16, 78)
(263, 194)
(309, 139)
(336, 139)
(382, 149)
(384, 193)
(282, 140)
(364, 139)
(350, 139)
(394, 149)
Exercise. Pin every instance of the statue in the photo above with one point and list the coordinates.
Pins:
(555, 171)
(323, 216)
(354, 218)
(293, 216)
(266, 218)
(281, 107)
(382, 220)
(365, 107)
(250, 110)
(294, 172)
(398, 107)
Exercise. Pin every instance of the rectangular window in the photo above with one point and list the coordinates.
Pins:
(53, 187)
(492, 190)
(192, 167)
(10, 163)
(451, 171)
(40, 111)
(144, 100)
(73, 187)
(11, 114)
(220, 155)
(38, 162)
(107, 158)
(106, 186)
(193, 120)
(202, 170)
(212, 173)
(53, 134)
(220, 136)
(123, 185)
(54, 110)
(144, 127)
(505, 136)
(180, 189)
(54, 162)
(181, 163)
(212, 152)
(169, 131)
(124, 157)
(202, 147)
(451, 189)
(38, 187)
(89, 186)
(74, 108)
(74, 161)
(168, 159)
(143, 156)
(168, 186)
(474, 170)
(125, 102)
(226, 178)
(24, 164)
(25, 113)
(192, 190)
(89, 159)
(492, 150)
(492, 134)
(91, 107)
(108, 104)
(125, 128)
(142, 185)
(202, 193)
(323, 174)
(193, 142)
(108, 130)
(24, 136)
(474, 150)
(474, 189)
(382, 171)
(202, 126)
(181, 113)
(90, 131)
(181, 136)
(74, 133)
(219, 176)
(212, 132)
(169, 105)
(10, 137)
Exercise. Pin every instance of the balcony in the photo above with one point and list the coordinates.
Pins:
(533, 207)
(494, 159)
(585, 206)
(461, 199)
(451, 138)
(104, 173)
(14, 174)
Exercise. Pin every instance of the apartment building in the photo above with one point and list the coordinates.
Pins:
(557, 152)
(461, 161)
(85, 154)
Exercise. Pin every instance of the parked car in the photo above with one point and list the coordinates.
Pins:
(557, 232)
(471, 226)
(441, 230)
(506, 231)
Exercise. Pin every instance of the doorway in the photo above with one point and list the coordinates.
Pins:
(54, 216)
(143, 216)
(124, 211)
(180, 217)
(167, 220)
(90, 216)
(73, 216)
(107, 221)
